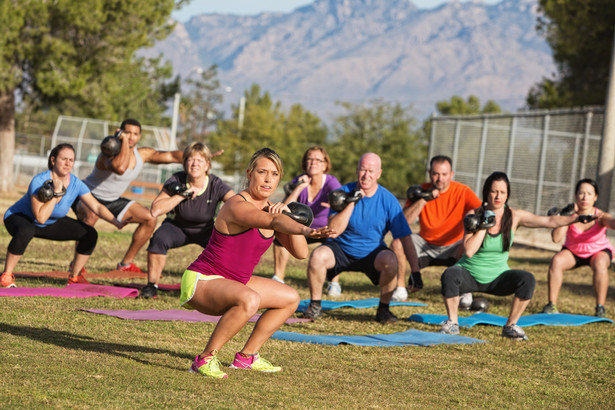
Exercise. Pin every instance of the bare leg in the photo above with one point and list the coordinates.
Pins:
(452, 308)
(280, 259)
(561, 261)
(322, 258)
(281, 302)
(517, 308)
(147, 223)
(155, 264)
(386, 264)
(600, 266)
(401, 262)
(79, 264)
(11, 262)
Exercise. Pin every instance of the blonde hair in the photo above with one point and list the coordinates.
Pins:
(197, 148)
(269, 154)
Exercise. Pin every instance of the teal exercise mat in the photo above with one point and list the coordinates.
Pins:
(411, 337)
(357, 304)
(548, 319)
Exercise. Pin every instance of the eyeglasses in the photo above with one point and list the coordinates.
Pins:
(318, 160)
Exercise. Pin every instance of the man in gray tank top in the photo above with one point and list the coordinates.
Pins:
(110, 179)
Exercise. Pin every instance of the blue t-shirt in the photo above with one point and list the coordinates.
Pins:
(75, 189)
(370, 221)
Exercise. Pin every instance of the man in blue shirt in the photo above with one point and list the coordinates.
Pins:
(359, 243)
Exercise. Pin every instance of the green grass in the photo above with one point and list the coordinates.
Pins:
(54, 355)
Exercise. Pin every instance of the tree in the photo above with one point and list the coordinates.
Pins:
(78, 54)
(580, 33)
(457, 106)
(385, 129)
(266, 125)
(198, 106)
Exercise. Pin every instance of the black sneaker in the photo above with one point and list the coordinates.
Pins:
(313, 311)
(149, 291)
(514, 332)
(385, 316)
(600, 311)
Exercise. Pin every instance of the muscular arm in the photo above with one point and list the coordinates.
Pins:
(339, 221)
(160, 157)
(101, 210)
(42, 210)
(164, 202)
(118, 164)
(413, 211)
(529, 220)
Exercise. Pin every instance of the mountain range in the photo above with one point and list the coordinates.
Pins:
(358, 50)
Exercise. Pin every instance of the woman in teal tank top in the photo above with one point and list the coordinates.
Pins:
(488, 235)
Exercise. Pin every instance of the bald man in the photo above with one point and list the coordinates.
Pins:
(358, 244)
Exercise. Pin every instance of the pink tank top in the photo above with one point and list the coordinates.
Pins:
(232, 256)
(588, 243)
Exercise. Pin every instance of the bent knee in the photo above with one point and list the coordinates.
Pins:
(250, 302)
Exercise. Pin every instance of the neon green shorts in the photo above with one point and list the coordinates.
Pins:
(189, 281)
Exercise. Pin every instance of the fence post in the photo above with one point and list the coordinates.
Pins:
(541, 167)
(481, 155)
(511, 147)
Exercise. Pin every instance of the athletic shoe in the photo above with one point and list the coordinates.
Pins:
(313, 311)
(415, 282)
(149, 291)
(7, 280)
(77, 279)
(549, 308)
(334, 289)
(129, 267)
(600, 311)
(208, 366)
(465, 301)
(514, 332)
(70, 269)
(254, 362)
(277, 278)
(399, 294)
(449, 327)
(384, 316)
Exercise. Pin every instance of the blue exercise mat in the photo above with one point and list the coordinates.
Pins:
(358, 304)
(408, 337)
(551, 319)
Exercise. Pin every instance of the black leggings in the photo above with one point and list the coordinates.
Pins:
(22, 229)
(457, 280)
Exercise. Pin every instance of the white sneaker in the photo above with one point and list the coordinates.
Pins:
(465, 301)
(334, 289)
(400, 294)
(277, 278)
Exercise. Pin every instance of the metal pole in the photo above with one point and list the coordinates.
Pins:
(481, 156)
(607, 147)
(542, 165)
(242, 110)
(175, 119)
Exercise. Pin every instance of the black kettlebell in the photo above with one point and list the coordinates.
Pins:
(111, 144)
(479, 305)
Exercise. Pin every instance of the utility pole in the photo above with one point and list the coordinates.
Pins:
(606, 162)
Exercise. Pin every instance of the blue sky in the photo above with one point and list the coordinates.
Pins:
(248, 7)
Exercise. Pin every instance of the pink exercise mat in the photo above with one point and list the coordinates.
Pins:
(73, 290)
(172, 314)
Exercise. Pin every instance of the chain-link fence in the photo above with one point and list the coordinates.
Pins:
(85, 135)
(544, 153)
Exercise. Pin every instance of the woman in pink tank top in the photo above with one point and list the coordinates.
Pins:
(585, 244)
(220, 281)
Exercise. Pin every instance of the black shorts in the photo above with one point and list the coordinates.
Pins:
(345, 262)
(586, 261)
(117, 207)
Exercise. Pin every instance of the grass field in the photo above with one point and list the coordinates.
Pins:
(54, 355)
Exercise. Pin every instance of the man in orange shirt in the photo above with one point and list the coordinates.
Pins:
(440, 206)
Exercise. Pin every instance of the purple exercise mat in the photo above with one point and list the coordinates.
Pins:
(73, 290)
(172, 314)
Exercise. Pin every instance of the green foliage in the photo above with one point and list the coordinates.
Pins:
(457, 106)
(266, 125)
(198, 106)
(580, 33)
(385, 129)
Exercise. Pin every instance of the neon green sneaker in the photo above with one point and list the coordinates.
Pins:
(254, 362)
(208, 366)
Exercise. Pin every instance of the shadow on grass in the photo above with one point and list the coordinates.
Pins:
(581, 289)
(89, 344)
